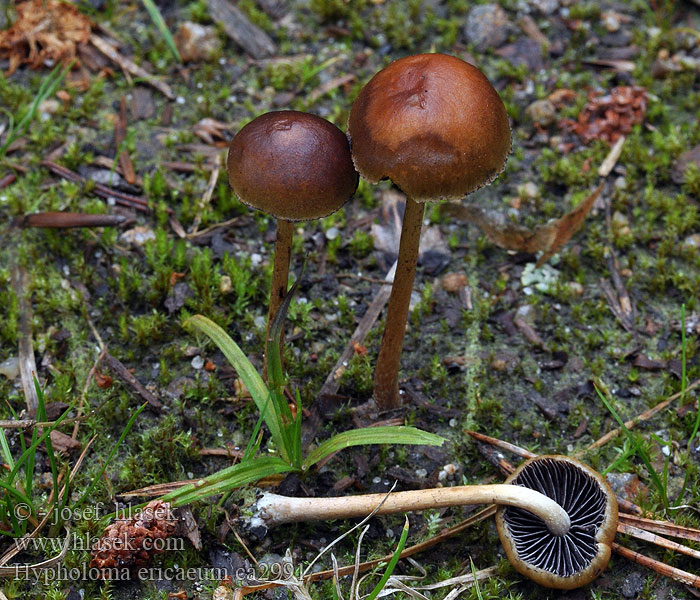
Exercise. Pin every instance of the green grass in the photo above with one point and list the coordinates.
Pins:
(283, 423)
(23, 505)
(48, 87)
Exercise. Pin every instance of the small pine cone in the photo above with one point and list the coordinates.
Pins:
(131, 543)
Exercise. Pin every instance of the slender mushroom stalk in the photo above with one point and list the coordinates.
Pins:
(435, 126)
(556, 518)
(386, 390)
(280, 272)
(276, 510)
(296, 167)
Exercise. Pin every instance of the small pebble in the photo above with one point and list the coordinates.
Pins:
(545, 7)
(692, 241)
(453, 282)
(197, 362)
(10, 367)
(487, 26)
(575, 288)
(529, 190)
(542, 112)
(225, 285)
(223, 592)
(611, 22)
(138, 236)
(332, 233)
(450, 469)
(527, 313)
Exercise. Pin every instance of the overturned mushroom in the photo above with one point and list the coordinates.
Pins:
(437, 128)
(579, 556)
(556, 518)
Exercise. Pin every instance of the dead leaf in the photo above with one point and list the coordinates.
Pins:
(330, 85)
(562, 96)
(547, 238)
(211, 130)
(103, 382)
(63, 443)
(187, 527)
(45, 30)
(359, 349)
(644, 362)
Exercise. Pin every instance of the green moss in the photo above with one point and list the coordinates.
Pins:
(691, 182)
(361, 244)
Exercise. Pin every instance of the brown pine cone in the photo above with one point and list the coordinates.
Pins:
(131, 543)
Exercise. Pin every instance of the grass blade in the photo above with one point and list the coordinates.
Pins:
(158, 21)
(48, 87)
(228, 479)
(5, 449)
(287, 421)
(250, 377)
(392, 563)
(658, 484)
(372, 435)
(41, 416)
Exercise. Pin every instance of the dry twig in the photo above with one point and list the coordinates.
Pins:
(645, 416)
(129, 67)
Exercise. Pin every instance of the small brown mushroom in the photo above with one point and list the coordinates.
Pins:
(437, 128)
(560, 561)
(556, 518)
(295, 167)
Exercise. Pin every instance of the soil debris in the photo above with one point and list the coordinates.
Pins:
(45, 32)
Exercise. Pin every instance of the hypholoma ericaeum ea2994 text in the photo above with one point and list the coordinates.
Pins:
(437, 128)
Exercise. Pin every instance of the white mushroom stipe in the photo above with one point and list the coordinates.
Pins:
(277, 510)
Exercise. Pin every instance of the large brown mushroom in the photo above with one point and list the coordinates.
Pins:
(556, 517)
(437, 128)
(295, 167)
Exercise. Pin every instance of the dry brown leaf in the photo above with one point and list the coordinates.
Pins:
(547, 238)
(211, 130)
(45, 30)
(64, 443)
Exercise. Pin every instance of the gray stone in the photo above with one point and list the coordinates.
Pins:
(487, 26)
(633, 584)
(545, 7)
(542, 112)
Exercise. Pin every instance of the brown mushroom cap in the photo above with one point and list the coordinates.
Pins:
(291, 165)
(431, 123)
(576, 558)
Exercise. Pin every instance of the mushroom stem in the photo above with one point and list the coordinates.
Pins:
(386, 376)
(280, 276)
(276, 510)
